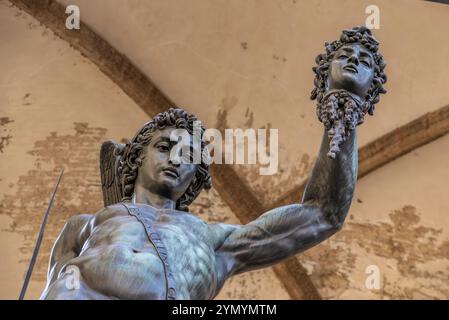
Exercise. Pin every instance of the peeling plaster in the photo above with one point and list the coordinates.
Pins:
(79, 192)
(5, 136)
(413, 259)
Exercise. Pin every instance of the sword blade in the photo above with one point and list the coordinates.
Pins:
(39, 240)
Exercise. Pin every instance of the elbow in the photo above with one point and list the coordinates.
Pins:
(336, 215)
(336, 227)
(328, 230)
(334, 220)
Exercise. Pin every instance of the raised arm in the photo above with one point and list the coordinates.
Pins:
(332, 182)
(286, 231)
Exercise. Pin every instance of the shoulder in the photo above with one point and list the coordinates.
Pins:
(106, 213)
(224, 258)
(223, 229)
(220, 232)
(79, 218)
(117, 208)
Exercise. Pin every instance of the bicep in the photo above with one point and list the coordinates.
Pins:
(274, 236)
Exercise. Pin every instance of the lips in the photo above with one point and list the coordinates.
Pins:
(351, 68)
(171, 172)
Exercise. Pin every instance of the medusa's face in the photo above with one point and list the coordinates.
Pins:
(159, 173)
(352, 69)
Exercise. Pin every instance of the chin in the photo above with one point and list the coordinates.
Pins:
(169, 182)
(349, 82)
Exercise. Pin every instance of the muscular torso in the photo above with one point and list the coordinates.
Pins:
(118, 261)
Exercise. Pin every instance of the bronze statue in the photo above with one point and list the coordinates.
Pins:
(145, 244)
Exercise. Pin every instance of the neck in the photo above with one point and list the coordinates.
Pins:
(142, 195)
(354, 96)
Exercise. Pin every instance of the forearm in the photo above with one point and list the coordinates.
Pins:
(332, 182)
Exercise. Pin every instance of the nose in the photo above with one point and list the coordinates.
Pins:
(354, 59)
(175, 161)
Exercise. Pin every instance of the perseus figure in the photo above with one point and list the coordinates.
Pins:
(145, 244)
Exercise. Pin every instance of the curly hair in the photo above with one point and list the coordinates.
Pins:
(131, 156)
(363, 36)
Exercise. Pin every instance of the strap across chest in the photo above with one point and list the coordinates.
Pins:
(156, 241)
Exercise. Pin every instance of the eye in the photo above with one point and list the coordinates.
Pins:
(163, 147)
(343, 55)
(366, 63)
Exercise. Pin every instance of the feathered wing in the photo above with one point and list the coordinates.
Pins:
(110, 181)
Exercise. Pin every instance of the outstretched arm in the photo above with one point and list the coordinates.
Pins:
(286, 231)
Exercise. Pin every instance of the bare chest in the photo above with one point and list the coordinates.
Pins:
(188, 241)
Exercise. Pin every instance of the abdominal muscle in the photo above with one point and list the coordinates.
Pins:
(116, 262)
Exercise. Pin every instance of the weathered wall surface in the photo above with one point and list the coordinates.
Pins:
(56, 108)
(246, 64)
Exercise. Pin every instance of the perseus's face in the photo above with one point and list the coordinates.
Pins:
(161, 174)
(352, 69)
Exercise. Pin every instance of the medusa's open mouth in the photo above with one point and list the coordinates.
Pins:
(351, 68)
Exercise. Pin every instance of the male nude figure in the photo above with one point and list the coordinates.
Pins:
(112, 250)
